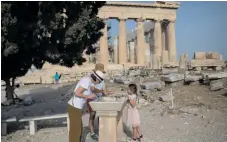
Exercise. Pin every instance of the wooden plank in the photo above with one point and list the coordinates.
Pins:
(12, 119)
(46, 117)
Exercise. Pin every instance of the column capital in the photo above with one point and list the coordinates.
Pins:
(139, 19)
(164, 21)
(164, 24)
(116, 37)
(121, 19)
(105, 19)
(172, 21)
(132, 40)
(157, 20)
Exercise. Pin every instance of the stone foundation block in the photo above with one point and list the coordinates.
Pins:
(213, 55)
(206, 63)
(172, 77)
(200, 55)
(192, 78)
(217, 75)
(151, 85)
(216, 85)
(175, 84)
(169, 70)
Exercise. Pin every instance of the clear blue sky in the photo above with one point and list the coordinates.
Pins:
(200, 26)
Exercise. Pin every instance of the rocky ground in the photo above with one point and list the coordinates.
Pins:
(197, 114)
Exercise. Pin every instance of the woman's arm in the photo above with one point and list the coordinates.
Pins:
(80, 93)
(95, 90)
(104, 90)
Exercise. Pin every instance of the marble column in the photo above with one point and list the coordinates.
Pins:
(164, 58)
(157, 44)
(183, 61)
(122, 42)
(147, 50)
(157, 38)
(104, 46)
(140, 42)
(172, 42)
(128, 50)
(116, 48)
(136, 50)
(98, 56)
(221, 57)
(132, 52)
(151, 46)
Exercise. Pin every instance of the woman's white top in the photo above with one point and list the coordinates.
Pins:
(79, 102)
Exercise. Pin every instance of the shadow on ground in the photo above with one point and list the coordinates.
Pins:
(47, 101)
(225, 94)
(85, 133)
(127, 131)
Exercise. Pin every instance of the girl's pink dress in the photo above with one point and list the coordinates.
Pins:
(133, 114)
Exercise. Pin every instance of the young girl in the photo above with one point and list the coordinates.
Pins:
(133, 114)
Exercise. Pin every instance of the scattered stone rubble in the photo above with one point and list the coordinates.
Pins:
(154, 85)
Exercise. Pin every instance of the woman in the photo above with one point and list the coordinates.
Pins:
(82, 92)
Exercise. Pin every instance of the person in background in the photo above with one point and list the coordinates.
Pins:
(133, 114)
(56, 78)
(82, 92)
(99, 90)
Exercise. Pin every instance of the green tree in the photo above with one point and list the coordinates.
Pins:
(35, 32)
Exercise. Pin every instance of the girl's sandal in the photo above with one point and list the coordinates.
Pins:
(140, 139)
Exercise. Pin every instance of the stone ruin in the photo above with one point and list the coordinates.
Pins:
(185, 70)
(202, 61)
(150, 80)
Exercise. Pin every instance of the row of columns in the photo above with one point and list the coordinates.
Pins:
(164, 44)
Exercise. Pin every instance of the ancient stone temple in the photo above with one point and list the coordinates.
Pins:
(136, 47)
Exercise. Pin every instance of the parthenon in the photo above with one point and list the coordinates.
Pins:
(163, 17)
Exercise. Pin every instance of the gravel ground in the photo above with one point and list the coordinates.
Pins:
(198, 116)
